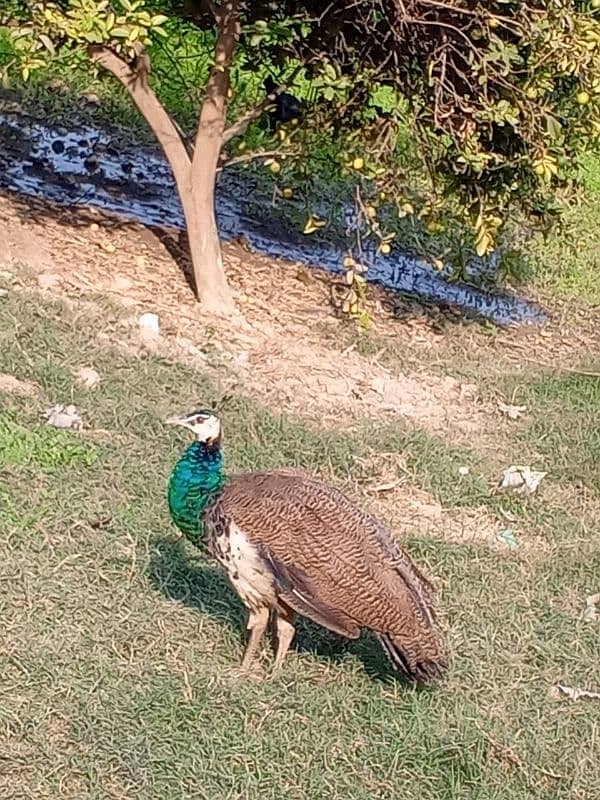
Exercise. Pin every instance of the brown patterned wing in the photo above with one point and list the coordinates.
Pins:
(336, 564)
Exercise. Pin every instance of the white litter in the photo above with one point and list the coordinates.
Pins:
(512, 412)
(521, 480)
(64, 417)
(149, 325)
(572, 693)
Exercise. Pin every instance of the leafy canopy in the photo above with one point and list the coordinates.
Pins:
(494, 102)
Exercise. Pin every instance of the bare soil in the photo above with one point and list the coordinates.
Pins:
(275, 350)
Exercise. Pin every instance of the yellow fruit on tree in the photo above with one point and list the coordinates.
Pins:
(275, 167)
(358, 163)
(539, 170)
(385, 249)
(583, 98)
(241, 147)
(531, 93)
(287, 193)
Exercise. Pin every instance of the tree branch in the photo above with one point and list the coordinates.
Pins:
(135, 80)
(247, 157)
(212, 115)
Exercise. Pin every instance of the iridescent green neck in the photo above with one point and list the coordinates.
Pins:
(195, 481)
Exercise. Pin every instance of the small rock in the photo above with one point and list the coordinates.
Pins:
(3, 292)
(149, 325)
(88, 377)
(48, 280)
(91, 98)
(94, 227)
(463, 471)
(121, 284)
(243, 357)
(108, 247)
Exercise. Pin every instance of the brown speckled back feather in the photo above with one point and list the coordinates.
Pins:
(336, 564)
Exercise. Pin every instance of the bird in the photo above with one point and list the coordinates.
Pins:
(287, 107)
(293, 545)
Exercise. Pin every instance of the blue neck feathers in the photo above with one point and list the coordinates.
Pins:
(196, 480)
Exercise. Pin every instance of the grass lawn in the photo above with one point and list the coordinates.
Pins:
(118, 639)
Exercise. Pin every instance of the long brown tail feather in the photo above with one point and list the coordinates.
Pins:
(424, 671)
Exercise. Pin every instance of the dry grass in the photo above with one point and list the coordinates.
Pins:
(118, 639)
(287, 350)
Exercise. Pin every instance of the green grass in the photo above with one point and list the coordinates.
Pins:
(117, 638)
(567, 266)
(563, 430)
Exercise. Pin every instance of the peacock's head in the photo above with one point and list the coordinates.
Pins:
(205, 425)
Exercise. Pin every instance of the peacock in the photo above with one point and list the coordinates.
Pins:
(287, 107)
(294, 545)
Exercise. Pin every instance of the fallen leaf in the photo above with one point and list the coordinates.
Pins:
(572, 693)
(64, 417)
(512, 412)
(313, 223)
(521, 480)
(88, 377)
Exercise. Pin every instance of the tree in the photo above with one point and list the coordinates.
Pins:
(499, 98)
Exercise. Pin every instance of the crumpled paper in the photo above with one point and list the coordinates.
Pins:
(64, 417)
(521, 480)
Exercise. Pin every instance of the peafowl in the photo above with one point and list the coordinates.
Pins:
(291, 544)
(287, 107)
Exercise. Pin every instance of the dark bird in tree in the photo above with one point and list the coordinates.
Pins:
(291, 544)
(287, 107)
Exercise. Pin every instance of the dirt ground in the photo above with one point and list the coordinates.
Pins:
(286, 347)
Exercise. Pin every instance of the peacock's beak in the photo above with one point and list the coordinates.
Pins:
(176, 420)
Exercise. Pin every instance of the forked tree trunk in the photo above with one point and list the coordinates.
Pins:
(196, 177)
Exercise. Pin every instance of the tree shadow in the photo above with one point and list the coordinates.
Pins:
(80, 166)
(204, 587)
(176, 243)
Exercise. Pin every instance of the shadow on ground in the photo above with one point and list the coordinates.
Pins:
(204, 587)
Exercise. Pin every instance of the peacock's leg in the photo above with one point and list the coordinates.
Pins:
(257, 623)
(285, 628)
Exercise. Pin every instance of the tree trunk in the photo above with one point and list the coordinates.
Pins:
(210, 282)
(206, 249)
(195, 179)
